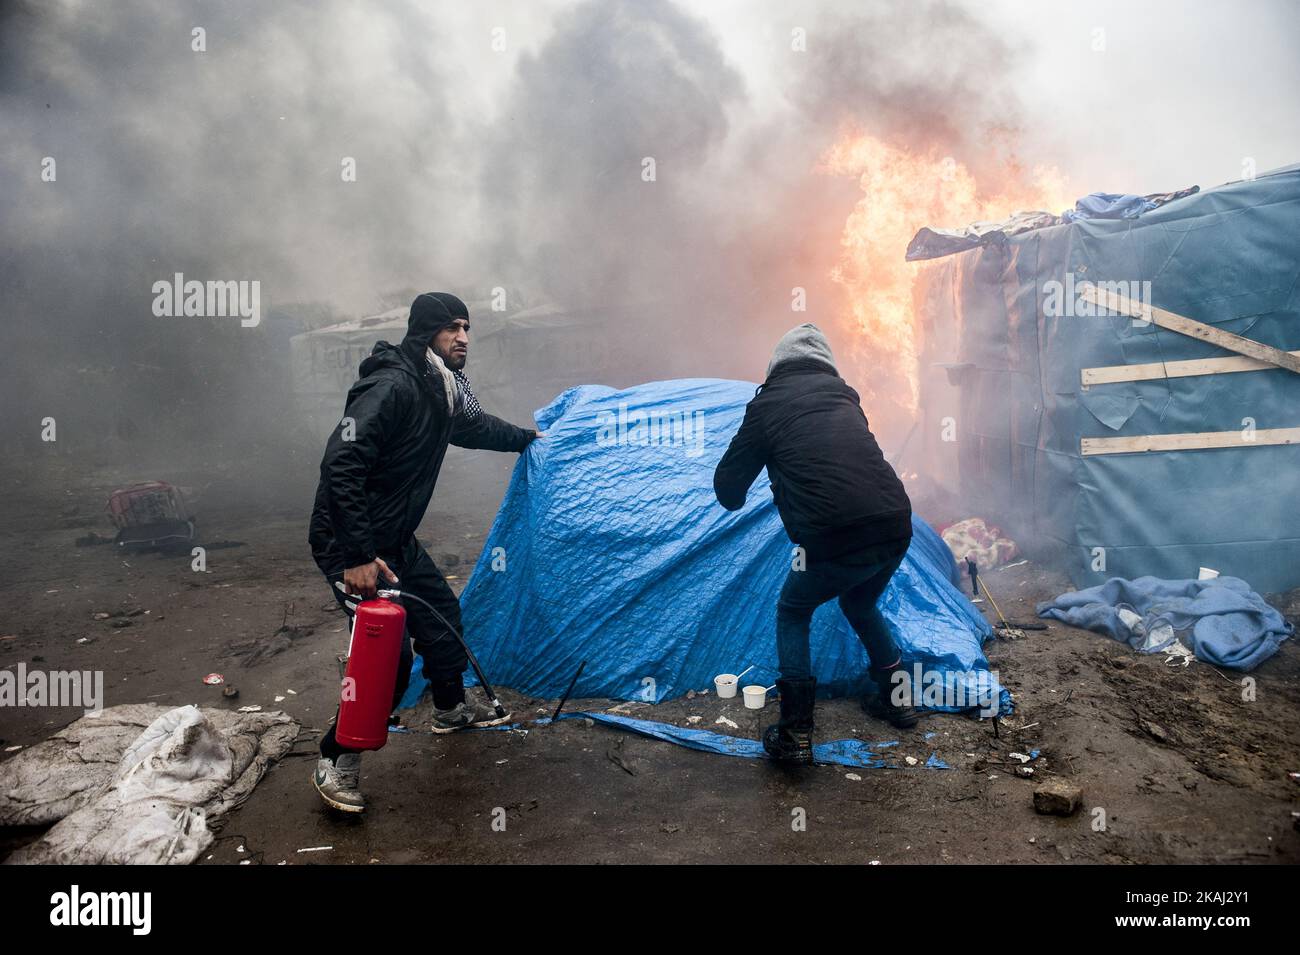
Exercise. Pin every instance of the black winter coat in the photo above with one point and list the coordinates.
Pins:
(374, 489)
(834, 490)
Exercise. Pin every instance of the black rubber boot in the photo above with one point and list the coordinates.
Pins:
(902, 716)
(790, 739)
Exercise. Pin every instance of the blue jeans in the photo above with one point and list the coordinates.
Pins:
(858, 586)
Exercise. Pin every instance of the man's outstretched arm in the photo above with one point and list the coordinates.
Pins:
(475, 428)
(745, 457)
(487, 432)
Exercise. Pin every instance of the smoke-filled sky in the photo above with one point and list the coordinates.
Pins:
(502, 144)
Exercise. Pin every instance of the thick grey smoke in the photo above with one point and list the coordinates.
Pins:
(567, 172)
(476, 167)
(222, 164)
(931, 75)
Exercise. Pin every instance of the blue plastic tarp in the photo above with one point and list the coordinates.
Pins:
(1221, 620)
(609, 547)
(858, 753)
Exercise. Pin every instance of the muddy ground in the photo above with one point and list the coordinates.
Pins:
(1178, 765)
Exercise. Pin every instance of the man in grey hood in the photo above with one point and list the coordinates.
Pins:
(844, 506)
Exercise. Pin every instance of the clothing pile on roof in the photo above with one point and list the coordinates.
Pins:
(931, 243)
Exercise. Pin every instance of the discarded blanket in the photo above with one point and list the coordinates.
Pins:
(137, 783)
(611, 548)
(1222, 620)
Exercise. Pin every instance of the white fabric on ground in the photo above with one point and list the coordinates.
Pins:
(138, 783)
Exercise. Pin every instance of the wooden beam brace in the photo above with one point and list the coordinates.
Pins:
(1188, 442)
(1115, 302)
(1158, 370)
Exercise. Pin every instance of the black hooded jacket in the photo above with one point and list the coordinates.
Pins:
(381, 463)
(834, 490)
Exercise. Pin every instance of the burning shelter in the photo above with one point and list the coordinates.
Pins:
(1119, 391)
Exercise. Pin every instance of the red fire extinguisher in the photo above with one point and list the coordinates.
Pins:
(367, 697)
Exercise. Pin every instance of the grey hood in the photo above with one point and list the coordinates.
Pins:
(802, 341)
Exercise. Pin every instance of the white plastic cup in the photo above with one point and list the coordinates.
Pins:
(725, 684)
(755, 696)
(1207, 573)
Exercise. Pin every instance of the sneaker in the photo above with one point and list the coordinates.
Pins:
(339, 782)
(466, 714)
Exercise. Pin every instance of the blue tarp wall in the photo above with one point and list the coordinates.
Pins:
(610, 547)
(1229, 257)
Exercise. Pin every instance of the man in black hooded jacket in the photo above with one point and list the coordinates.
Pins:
(378, 473)
(844, 506)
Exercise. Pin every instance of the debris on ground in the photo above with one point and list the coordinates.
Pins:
(150, 515)
(985, 543)
(615, 755)
(138, 783)
(1157, 732)
(1057, 798)
(260, 649)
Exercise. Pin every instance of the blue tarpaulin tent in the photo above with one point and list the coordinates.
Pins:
(610, 548)
(1125, 447)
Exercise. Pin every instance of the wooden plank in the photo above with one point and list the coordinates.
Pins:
(1188, 442)
(1156, 370)
(1189, 327)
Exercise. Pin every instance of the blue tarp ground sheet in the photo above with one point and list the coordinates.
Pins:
(1221, 620)
(838, 752)
(610, 547)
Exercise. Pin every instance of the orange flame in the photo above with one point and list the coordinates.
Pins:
(903, 190)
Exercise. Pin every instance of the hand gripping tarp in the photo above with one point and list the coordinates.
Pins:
(611, 548)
